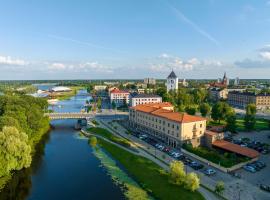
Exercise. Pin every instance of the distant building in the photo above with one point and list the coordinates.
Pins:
(137, 99)
(119, 97)
(173, 128)
(242, 99)
(218, 93)
(60, 89)
(150, 81)
(236, 81)
(100, 87)
(172, 82)
(221, 83)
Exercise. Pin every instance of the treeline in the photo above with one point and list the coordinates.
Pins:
(22, 125)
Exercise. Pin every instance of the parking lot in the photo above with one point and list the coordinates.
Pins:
(261, 176)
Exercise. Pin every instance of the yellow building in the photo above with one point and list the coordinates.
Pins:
(160, 121)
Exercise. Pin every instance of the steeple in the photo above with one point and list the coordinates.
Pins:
(172, 75)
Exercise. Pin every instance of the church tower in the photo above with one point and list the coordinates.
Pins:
(172, 82)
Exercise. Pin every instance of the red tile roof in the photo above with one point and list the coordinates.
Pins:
(165, 110)
(235, 148)
(116, 90)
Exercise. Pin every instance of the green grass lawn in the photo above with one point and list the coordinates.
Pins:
(261, 124)
(149, 175)
(106, 134)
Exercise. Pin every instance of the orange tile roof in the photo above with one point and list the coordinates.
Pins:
(236, 148)
(116, 90)
(165, 110)
(211, 133)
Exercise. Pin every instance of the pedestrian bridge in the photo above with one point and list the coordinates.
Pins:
(87, 116)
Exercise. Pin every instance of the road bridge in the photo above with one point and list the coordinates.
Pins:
(87, 116)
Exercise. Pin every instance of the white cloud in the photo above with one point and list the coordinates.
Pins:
(7, 60)
(57, 66)
(265, 55)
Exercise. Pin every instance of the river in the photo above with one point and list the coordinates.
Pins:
(65, 166)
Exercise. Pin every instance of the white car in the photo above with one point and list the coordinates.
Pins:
(209, 172)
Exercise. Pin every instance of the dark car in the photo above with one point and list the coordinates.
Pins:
(196, 165)
(187, 161)
(260, 164)
(265, 187)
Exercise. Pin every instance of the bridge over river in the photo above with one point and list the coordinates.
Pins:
(87, 116)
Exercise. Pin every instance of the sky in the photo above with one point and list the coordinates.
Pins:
(133, 39)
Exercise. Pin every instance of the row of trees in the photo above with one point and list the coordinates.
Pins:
(22, 124)
(178, 176)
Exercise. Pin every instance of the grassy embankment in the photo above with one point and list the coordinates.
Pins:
(149, 175)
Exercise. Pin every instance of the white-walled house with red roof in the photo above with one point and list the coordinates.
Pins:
(119, 97)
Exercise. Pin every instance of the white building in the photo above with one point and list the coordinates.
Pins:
(172, 82)
(60, 89)
(100, 87)
(236, 81)
(136, 99)
(119, 97)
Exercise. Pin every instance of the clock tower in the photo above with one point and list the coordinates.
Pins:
(172, 82)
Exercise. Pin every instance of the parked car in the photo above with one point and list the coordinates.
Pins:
(209, 172)
(196, 165)
(187, 161)
(249, 168)
(259, 164)
(256, 167)
(265, 187)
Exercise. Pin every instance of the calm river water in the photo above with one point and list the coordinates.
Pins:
(64, 168)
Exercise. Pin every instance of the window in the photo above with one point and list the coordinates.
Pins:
(201, 125)
(168, 124)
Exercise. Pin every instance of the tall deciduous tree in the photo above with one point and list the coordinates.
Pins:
(15, 152)
(205, 109)
(192, 181)
(177, 172)
(250, 117)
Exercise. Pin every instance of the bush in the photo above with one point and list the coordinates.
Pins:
(214, 156)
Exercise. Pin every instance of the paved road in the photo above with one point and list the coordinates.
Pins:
(234, 186)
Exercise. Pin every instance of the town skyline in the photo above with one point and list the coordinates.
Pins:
(133, 40)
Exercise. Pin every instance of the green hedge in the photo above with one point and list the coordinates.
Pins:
(225, 160)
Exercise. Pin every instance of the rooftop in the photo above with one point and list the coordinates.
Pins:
(136, 95)
(165, 110)
(235, 148)
(172, 75)
(116, 90)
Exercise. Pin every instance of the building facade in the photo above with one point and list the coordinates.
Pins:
(173, 128)
(150, 81)
(242, 99)
(137, 99)
(119, 97)
(100, 87)
(172, 82)
(218, 93)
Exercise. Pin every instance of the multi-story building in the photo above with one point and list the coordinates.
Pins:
(172, 82)
(136, 99)
(218, 93)
(160, 121)
(119, 97)
(150, 81)
(242, 99)
(100, 87)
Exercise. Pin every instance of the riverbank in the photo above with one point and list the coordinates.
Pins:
(148, 174)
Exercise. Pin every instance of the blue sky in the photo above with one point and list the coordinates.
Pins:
(95, 39)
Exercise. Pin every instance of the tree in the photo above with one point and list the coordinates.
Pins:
(219, 188)
(9, 121)
(113, 105)
(99, 103)
(231, 122)
(177, 172)
(191, 110)
(220, 111)
(93, 141)
(250, 119)
(205, 109)
(192, 182)
(15, 152)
